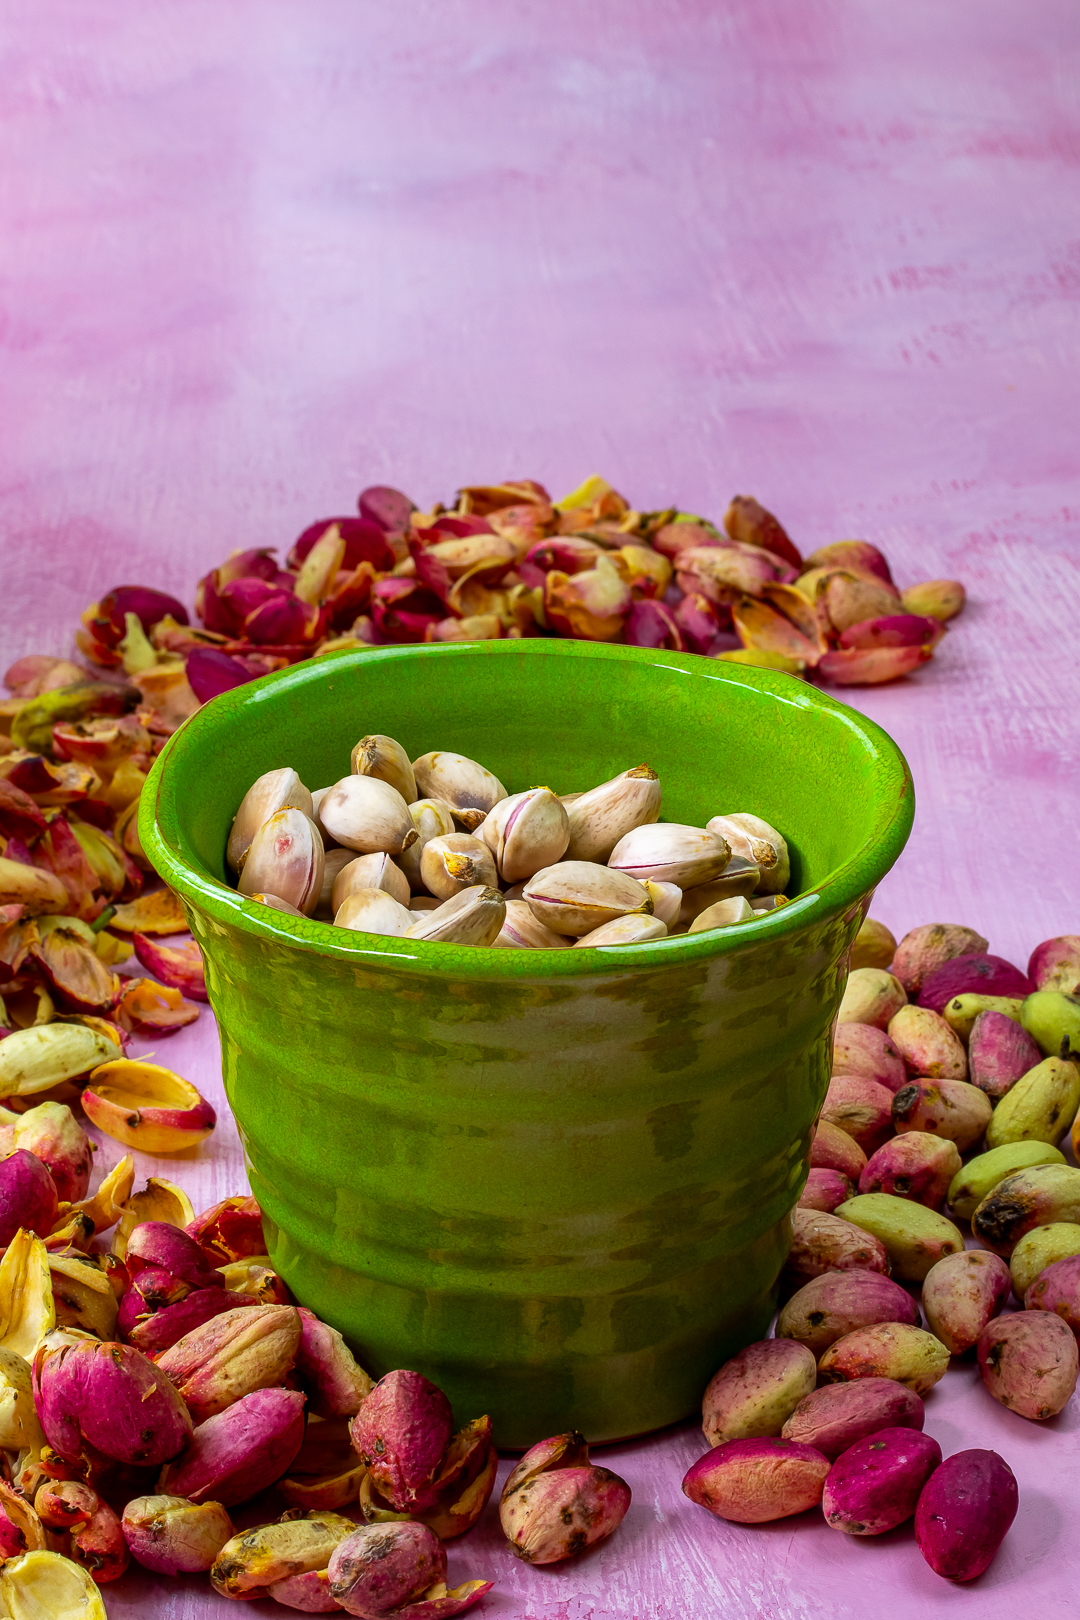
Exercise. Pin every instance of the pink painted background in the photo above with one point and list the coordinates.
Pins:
(254, 256)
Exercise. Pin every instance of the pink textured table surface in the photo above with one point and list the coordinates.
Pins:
(256, 255)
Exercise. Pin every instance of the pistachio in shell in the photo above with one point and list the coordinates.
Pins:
(383, 758)
(574, 897)
(599, 818)
(466, 786)
(367, 815)
(275, 790)
(286, 858)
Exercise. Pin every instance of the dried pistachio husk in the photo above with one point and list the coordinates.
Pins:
(636, 930)
(574, 897)
(39, 1058)
(326, 1471)
(76, 973)
(458, 861)
(469, 789)
(314, 581)
(160, 1200)
(83, 1295)
(525, 832)
(386, 760)
(432, 818)
(252, 1561)
(181, 967)
(670, 852)
(146, 1106)
(147, 1008)
(755, 840)
(27, 1312)
(286, 857)
(600, 817)
(47, 1585)
(369, 872)
(473, 917)
(275, 790)
(159, 912)
(763, 627)
(724, 914)
(373, 911)
(30, 887)
(19, 1426)
(522, 931)
(109, 1203)
(367, 815)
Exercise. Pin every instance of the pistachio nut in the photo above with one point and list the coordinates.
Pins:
(525, 833)
(401, 1432)
(240, 1451)
(336, 1383)
(1040, 1107)
(274, 790)
(981, 1175)
(521, 931)
(47, 1583)
(824, 1190)
(768, 902)
(874, 945)
(915, 1237)
(95, 1538)
(634, 930)
(939, 598)
(383, 1567)
(821, 1243)
(756, 1392)
(1000, 1052)
(666, 899)
(723, 914)
(961, 1294)
(599, 818)
(739, 878)
(252, 1561)
(367, 815)
(837, 1302)
(467, 787)
(1041, 1247)
(865, 1049)
(838, 1416)
(755, 840)
(555, 1504)
(432, 818)
(285, 857)
(671, 852)
(927, 1045)
(373, 911)
(456, 862)
(1052, 1019)
(1029, 1362)
(923, 950)
(461, 1486)
(473, 917)
(1055, 964)
(109, 1396)
(376, 871)
(387, 761)
(172, 1536)
(919, 1165)
(27, 1196)
(756, 1481)
(233, 1354)
(574, 897)
(52, 1134)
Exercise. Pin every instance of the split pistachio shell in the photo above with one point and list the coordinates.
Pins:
(159, 1200)
(255, 1559)
(1042, 1247)
(275, 790)
(27, 1308)
(574, 897)
(636, 930)
(373, 911)
(386, 760)
(981, 1175)
(1040, 1107)
(43, 1056)
(458, 861)
(671, 852)
(376, 871)
(432, 818)
(172, 1536)
(755, 840)
(145, 1106)
(525, 833)
(666, 899)
(83, 1294)
(46, 1584)
(871, 996)
(739, 878)
(599, 818)
(326, 1473)
(286, 857)
(724, 914)
(473, 917)
(521, 931)
(915, 1237)
(466, 786)
(19, 1427)
(31, 887)
(367, 815)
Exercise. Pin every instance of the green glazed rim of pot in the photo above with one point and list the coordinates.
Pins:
(162, 834)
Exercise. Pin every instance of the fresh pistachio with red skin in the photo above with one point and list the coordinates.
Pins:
(108, 1396)
(386, 1569)
(1000, 1052)
(837, 1416)
(337, 1385)
(861, 1107)
(824, 1190)
(833, 1149)
(980, 974)
(964, 1513)
(1029, 1362)
(823, 1243)
(866, 1050)
(755, 1481)
(827, 1307)
(961, 1294)
(755, 1392)
(232, 1355)
(923, 950)
(918, 1165)
(95, 1538)
(27, 1196)
(401, 1432)
(52, 1134)
(555, 1504)
(240, 1451)
(875, 1485)
(172, 1536)
(896, 1350)
(871, 996)
(1055, 964)
(953, 1109)
(927, 1045)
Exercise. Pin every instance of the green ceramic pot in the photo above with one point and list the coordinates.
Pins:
(556, 1182)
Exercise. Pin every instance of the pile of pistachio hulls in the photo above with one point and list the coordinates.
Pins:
(436, 849)
(956, 1077)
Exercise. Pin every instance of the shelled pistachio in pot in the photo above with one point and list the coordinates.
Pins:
(598, 818)
(635, 930)
(285, 857)
(521, 931)
(380, 756)
(739, 880)
(275, 790)
(961, 1294)
(666, 899)
(470, 789)
(373, 911)
(456, 862)
(755, 840)
(525, 833)
(756, 1392)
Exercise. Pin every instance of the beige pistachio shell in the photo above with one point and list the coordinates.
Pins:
(386, 760)
(432, 818)
(335, 860)
(376, 871)
(275, 790)
(286, 858)
(454, 863)
(634, 930)
(574, 897)
(670, 852)
(473, 917)
(603, 815)
(467, 786)
(755, 840)
(739, 877)
(666, 899)
(521, 931)
(373, 911)
(724, 914)
(367, 815)
(525, 833)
